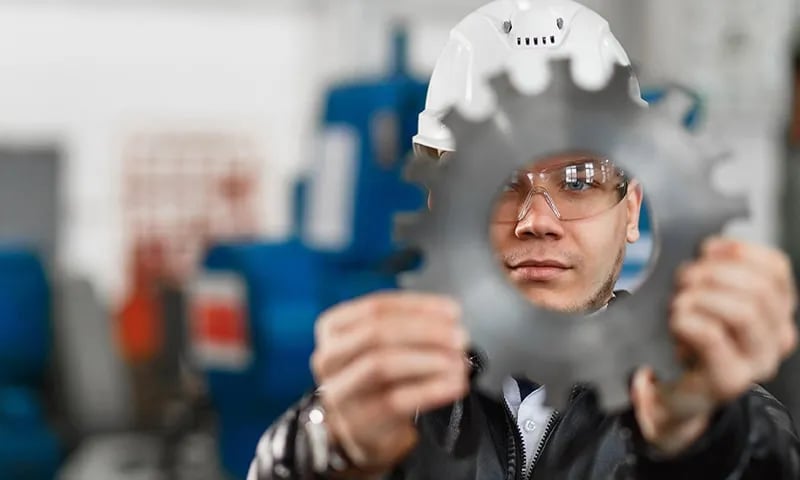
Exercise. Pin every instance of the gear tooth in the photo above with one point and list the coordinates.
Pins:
(558, 395)
(502, 86)
(406, 226)
(620, 83)
(675, 104)
(561, 74)
(420, 171)
(614, 394)
(490, 382)
(458, 124)
(736, 206)
(718, 157)
(708, 163)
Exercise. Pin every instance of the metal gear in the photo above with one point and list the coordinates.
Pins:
(518, 338)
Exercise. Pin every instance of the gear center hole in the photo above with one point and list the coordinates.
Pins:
(570, 229)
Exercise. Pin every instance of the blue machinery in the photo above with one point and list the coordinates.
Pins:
(29, 450)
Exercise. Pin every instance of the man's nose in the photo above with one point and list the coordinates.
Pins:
(540, 218)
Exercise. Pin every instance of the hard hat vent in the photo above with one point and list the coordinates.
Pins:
(536, 41)
(536, 30)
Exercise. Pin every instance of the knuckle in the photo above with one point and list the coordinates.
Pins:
(743, 317)
(379, 370)
(713, 335)
(375, 306)
(374, 335)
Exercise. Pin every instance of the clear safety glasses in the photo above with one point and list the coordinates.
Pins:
(579, 187)
(576, 189)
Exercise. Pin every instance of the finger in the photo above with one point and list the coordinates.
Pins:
(741, 277)
(397, 403)
(391, 331)
(644, 400)
(426, 395)
(345, 315)
(742, 319)
(737, 277)
(374, 371)
(734, 276)
(722, 369)
(771, 261)
(739, 317)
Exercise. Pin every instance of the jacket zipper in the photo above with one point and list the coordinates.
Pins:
(554, 419)
(519, 444)
(521, 470)
(552, 423)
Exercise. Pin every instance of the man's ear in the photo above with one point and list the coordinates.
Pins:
(633, 205)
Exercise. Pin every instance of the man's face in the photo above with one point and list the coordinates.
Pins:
(568, 265)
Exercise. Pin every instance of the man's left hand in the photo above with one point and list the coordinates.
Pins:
(733, 320)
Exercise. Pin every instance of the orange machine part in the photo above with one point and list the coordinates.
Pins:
(140, 326)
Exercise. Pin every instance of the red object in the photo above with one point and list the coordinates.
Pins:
(140, 323)
(219, 323)
(220, 338)
(140, 328)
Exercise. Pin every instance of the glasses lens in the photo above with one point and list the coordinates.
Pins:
(573, 190)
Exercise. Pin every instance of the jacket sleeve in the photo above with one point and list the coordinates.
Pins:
(752, 438)
(284, 451)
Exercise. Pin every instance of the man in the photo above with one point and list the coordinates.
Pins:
(395, 396)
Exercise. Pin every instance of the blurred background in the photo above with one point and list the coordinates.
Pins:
(164, 248)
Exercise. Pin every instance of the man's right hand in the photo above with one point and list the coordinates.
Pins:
(381, 359)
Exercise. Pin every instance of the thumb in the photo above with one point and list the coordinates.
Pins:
(647, 402)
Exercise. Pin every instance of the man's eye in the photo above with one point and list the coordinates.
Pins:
(577, 186)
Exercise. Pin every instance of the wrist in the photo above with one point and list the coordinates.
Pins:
(327, 457)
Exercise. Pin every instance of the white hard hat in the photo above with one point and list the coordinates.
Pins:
(522, 37)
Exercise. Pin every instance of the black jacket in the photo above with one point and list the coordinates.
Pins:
(752, 438)
(476, 439)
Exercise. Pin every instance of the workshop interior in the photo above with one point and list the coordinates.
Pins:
(186, 185)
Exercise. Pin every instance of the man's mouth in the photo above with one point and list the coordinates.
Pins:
(537, 270)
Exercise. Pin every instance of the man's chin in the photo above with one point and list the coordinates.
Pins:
(557, 300)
